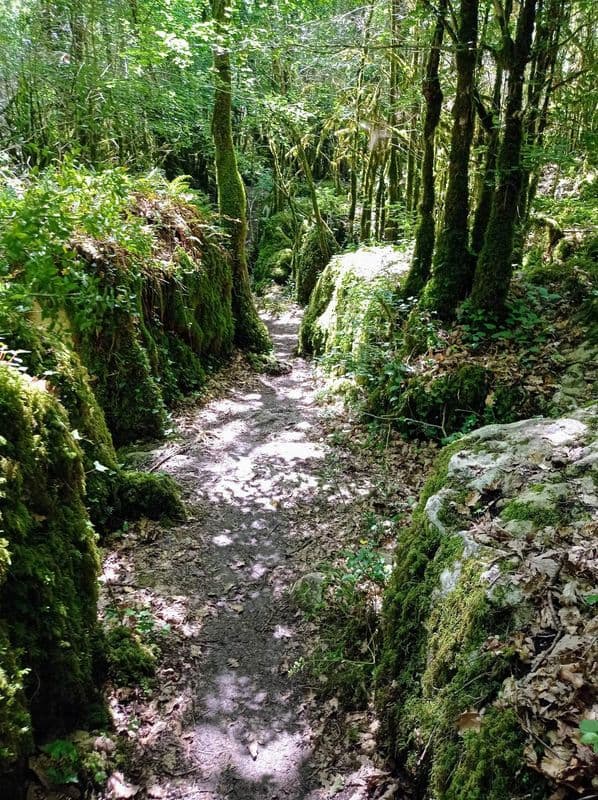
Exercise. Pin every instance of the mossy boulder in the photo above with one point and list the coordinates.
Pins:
(48, 574)
(350, 307)
(112, 494)
(315, 252)
(488, 649)
(133, 274)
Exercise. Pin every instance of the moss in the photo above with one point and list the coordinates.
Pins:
(311, 259)
(311, 339)
(539, 515)
(487, 765)
(123, 381)
(351, 312)
(434, 667)
(443, 406)
(154, 496)
(406, 606)
(15, 722)
(130, 661)
(48, 595)
(112, 494)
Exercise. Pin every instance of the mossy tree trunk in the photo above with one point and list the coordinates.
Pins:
(551, 19)
(392, 225)
(250, 332)
(368, 193)
(494, 269)
(452, 267)
(411, 182)
(425, 234)
(490, 122)
(354, 154)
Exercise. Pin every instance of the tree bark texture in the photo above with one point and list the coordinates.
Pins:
(452, 266)
(250, 332)
(425, 233)
(495, 268)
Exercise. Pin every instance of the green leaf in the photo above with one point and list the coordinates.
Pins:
(589, 726)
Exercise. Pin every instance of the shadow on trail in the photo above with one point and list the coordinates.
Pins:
(229, 720)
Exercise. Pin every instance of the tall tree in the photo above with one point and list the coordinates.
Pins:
(494, 268)
(452, 266)
(250, 332)
(394, 164)
(425, 233)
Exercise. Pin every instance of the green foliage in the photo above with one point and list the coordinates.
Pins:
(64, 761)
(275, 250)
(589, 731)
(131, 274)
(15, 720)
(524, 322)
(345, 609)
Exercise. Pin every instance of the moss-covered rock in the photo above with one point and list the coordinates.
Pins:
(314, 254)
(134, 274)
(351, 305)
(112, 493)
(48, 586)
(485, 612)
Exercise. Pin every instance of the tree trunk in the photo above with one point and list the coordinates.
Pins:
(425, 233)
(250, 332)
(394, 168)
(549, 25)
(452, 266)
(354, 156)
(494, 269)
(490, 123)
(368, 193)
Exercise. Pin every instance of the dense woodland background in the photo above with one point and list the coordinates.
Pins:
(164, 163)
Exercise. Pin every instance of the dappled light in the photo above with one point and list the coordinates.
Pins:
(258, 463)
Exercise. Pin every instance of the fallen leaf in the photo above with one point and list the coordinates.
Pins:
(469, 721)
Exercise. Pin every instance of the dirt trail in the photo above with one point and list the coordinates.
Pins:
(228, 723)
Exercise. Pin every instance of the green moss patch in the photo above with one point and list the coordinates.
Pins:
(48, 585)
(313, 256)
(112, 494)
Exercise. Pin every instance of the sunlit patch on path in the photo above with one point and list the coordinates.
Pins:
(228, 720)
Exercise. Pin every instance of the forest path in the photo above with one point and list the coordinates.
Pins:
(268, 496)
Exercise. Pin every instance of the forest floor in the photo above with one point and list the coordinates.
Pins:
(277, 482)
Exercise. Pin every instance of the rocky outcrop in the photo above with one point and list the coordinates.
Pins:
(490, 633)
(48, 572)
(351, 304)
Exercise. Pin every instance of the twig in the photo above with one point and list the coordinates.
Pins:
(177, 451)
